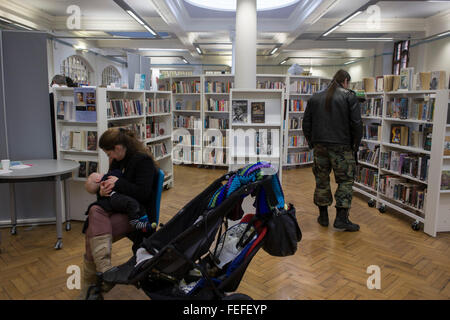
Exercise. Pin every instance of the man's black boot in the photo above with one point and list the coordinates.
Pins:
(323, 216)
(342, 222)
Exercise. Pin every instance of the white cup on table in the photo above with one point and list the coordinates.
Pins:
(5, 164)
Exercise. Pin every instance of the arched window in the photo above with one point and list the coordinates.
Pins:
(110, 75)
(77, 68)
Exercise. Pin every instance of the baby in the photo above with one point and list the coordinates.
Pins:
(117, 202)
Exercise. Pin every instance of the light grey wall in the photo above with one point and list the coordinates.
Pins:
(28, 122)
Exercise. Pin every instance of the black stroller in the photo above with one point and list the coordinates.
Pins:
(196, 255)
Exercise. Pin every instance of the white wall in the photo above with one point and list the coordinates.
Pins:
(58, 52)
(438, 56)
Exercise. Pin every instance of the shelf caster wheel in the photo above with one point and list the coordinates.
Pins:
(68, 226)
(58, 244)
(415, 226)
(382, 209)
(13, 230)
(371, 203)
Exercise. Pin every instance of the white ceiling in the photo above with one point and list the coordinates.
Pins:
(296, 27)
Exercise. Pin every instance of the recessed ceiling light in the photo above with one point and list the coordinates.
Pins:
(230, 5)
(283, 62)
(274, 50)
(198, 50)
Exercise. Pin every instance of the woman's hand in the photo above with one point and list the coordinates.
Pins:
(107, 186)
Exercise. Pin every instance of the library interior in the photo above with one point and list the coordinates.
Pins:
(224, 150)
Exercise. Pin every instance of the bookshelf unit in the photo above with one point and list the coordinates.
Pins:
(398, 168)
(264, 139)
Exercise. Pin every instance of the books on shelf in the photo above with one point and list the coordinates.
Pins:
(216, 123)
(445, 180)
(86, 168)
(258, 112)
(295, 123)
(78, 140)
(218, 86)
(300, 157)
(215, 156)
(437, 81)
(214, 141)
(447, 146)
(263, 143)
(124, 108)
(85, 105)
(158, 150)
(155, 128)
(65, 110)
(410, 164)
(369, 156)
(188, 122)
(270, 84)
(372, 131)
(367, 177)
(297, 105)
(372, 107)
(406, 78)
(217, 105)
(240, 111)
(187, 105)
(189, 86)
(92, 167)
(137, 128)
(82, 173)
(187, 140)
(189, 156)
(419, 109)
(380, 83)
(369, 84)
(297, 141)
(411, 194)
(158, 105)
(399, 135)
(304, 86)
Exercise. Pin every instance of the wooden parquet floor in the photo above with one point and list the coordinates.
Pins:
(327, 265)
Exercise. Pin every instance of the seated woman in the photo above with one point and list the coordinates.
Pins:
(102, 228)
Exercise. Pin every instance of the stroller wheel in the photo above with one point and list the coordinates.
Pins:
(237, 296)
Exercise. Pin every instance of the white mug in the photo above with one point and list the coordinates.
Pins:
(5, 164)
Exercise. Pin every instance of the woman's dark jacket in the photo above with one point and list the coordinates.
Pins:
(341, 125)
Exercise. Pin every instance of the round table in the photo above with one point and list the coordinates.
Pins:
(43, 170)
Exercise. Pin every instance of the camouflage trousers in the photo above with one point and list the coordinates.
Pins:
(341, 159)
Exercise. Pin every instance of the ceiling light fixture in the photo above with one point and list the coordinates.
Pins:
(199, 50)
(370, 39)
(283, 62)
(348, 62)
(274, 50)
(150, 30)
(357, 13)
(135, 17)
(330, 31)
(185, 61)
(230, 5)
(443, 34)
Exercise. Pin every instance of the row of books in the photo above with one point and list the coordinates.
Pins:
(300, 157)
(263, 143)
(214, 141)
(369, 156)
(297, 141)
(139, 129)
(218, 86)
(411, 194)
(189, 122)
(187, 105)
(158, 149)
(86, 168)
(215, 156)
(445, 180)
(403, 135)
(372, 131)
(217, 105)
(400, 108)
(124, 108)
(78, 140)
(158, 105)
(216, 123)
(155, 128)
(270, 85)
(303, 86)
(189, 156)
(372, 108)
(297, 105)
(65, 110)
(367, 177)
(295, 123)
(192, 86)
(413, 165)
(187, 140)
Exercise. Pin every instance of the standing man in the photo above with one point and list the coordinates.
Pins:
(332, 126)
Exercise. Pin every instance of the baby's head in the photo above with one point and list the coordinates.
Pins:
(93, 182)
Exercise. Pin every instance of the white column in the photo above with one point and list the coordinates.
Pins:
(245, 52)
(233, 51)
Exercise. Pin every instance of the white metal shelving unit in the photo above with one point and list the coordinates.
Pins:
(435, 215)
